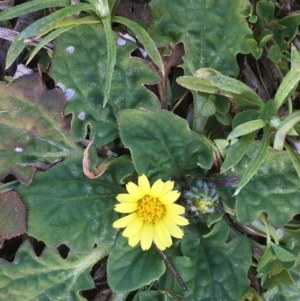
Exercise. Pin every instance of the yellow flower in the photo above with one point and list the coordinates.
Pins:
(153, 216)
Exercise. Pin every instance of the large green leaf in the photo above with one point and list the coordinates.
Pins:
(162, 145)
(212, 32)
(48, 277)
(131, 268)
(79, 63)
(32, 127)
(274, 189)
(64, 206)
(218, 270)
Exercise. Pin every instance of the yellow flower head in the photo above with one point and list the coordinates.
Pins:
(153, 216)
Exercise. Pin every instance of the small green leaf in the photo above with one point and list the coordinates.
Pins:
(145, 39)
(246, 128)
(160, 151)
(64, 206)
(237, 151)
(269, 109)
(48, 277)
(265, 10)
(130, 268)
(29, 7)
(220, 84)
(111, 58)
(286, 125)
(274, 53)
(256, 161)
(265, 263)
(294, 158)
(289, 82)
(282, 254)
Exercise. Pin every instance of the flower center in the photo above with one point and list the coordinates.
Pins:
(150, 209)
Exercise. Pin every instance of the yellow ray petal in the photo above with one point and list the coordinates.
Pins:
(177, 219)
(124, 221)
(158, 242)
(169, 185)
(173, 229)
(144, 184)
(147, 236)
(133, 227)
(126, 207)
(170, 197)
(135, 239)
(163, 234)
(134, 191)
(175, 208)
(125, 198)
(157, 188)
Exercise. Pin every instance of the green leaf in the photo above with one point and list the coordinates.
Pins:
(206, 80)
(130, 268)
(32, 127)
(289, 82)
(256, 161)
(282, 254)
(237, 151)
(265, 10)
(294, 158)
(111, 58)
(246, 128)
(64, 206)
(48, 277)
(286, 125)
(83, 72)
(265, 263)
(160, 151)
(212, 32)
(274, 189)
(12, 215)
(41, 26)
(212, 261)
(145, 39)
(287, 291)
(30, 7)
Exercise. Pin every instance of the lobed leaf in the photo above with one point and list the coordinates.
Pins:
(66, 207)
(212, 32)
(32, 127)
(83, 72)
(212, 261)
(48, 277)
(145, 39)
(274, 188)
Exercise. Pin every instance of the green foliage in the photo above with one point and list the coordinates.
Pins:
(85, 205)
(56, 278)
(165, 102)
(87, 64)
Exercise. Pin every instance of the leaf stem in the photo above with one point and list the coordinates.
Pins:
(172, 269)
